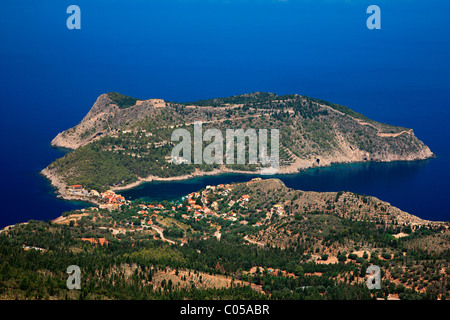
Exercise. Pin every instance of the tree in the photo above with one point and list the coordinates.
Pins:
(342, 258)
(386, 255)
(212, 197)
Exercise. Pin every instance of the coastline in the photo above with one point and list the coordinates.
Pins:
(295, 168)
(298, 166)
(292, 169)
(196, 174)
(344, 153)
(60, 186)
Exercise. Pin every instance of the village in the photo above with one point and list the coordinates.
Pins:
(211, 205)
(206, 205)
(105, 200)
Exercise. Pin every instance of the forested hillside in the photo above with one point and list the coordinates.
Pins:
(254, 240)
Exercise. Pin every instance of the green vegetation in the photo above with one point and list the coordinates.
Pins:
(126, 146)
(118, 161)
(126, 269)
(121, 100)
(303, 245)
(296, 261)
(239, 99)
(343, 109)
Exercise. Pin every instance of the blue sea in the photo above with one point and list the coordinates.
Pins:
(186, 50)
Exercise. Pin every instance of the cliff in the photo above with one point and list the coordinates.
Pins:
(106, 116)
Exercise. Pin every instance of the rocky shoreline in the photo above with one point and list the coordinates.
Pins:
(61, 190)
(61, 187)
(296, 167)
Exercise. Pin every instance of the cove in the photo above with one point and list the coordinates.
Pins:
(395, 182)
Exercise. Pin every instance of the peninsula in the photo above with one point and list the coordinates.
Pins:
(123, 141)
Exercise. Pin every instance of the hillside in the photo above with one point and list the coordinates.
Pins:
(123, 140)
(253, 240)
(326, 220)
